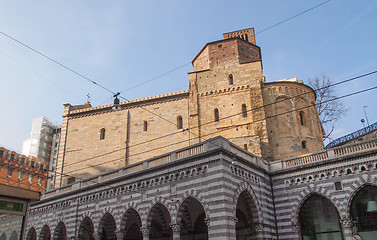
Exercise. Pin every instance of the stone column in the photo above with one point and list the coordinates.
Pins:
(97, 236)
(258, 229)
(119, 235)
(346, 224)
(295, 231)
(145, 232)
(176, 228)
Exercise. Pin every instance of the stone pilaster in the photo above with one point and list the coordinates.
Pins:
(176, 228)
(119, 235)
(145, 232)
(346, 224)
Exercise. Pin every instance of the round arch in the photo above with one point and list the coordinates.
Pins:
(244, 186)
(158, 221)
(60, 232)
(86, 229)
(318, 217)
(14, 236)
(131, 225)
(107, 227)
(363, 211)
(246, 213)
(31, 234)
(192, 218)
(45, 233)
(3, 236)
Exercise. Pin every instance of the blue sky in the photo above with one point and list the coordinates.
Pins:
(120, 44)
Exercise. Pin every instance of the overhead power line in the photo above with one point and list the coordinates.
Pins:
(225, 117)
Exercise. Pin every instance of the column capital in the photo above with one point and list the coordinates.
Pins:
(175, 227)
(145, 231)
(346, 222)
(295, 228)
(97, 236)
(119, 235)
(207, 221)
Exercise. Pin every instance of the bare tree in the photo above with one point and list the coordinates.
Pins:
(330, 109)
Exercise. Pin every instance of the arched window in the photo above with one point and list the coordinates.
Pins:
(244, 110)
(364, 212)
(102, 134)
(145, 127)
(302, 118)
(246, 38)
(230, 79)
(319, 219)
(245, 146)
(303, 144)
(216, 114)
(179, 122)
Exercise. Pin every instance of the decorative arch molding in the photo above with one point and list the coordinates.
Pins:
(194, 194)
(357, 186)
(106, 210)
(245, 186)
(123, 220)
(307, 193)
(147, 218)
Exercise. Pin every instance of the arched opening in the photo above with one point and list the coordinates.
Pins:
(107, 227)
(102, 134)
(364, 212)
(86, 229)
(179, 122)
(45, 233)
(3, 236)
(132, 224)
(31, 234)
(244, 110)
(159, 222)
(247, 219)
(302, 118)
(319, 219)
(145, 126)
(60, 232)
(303, 144)
(14, 236)
(192, 219)
(216, 115)
(230, 79)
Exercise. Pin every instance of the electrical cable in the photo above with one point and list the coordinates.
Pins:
(212, 133)
(228, 116)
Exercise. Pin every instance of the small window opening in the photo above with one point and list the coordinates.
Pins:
(102, 134)
(303, 144)
(32, 163)
(30, 178)
(22, 160)
(338, 186)
(230, 79)
(145, 127)
(1, 153)
(10, 171)
(246, 38)
(179, 122)
(71, 180)
(41, 167)
(20, 175)
(11, 156)
(244, 110)
(216, 113)
(302, 121)
(245, 146)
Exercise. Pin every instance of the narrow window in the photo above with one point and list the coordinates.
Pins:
(179, 122)
(338, 186)
(39, 181)
(302, 121)
(20, 175)
(10, 171)
(102, 134)
(11, 156)
(32, 163)
(245, 146)
(230, 79)
(246, 38)
(216, 113)
(145, 126)
(30, 178)
(22, 160)
(303, 144)
(41, 167)
(1, 153)
(244, 110)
